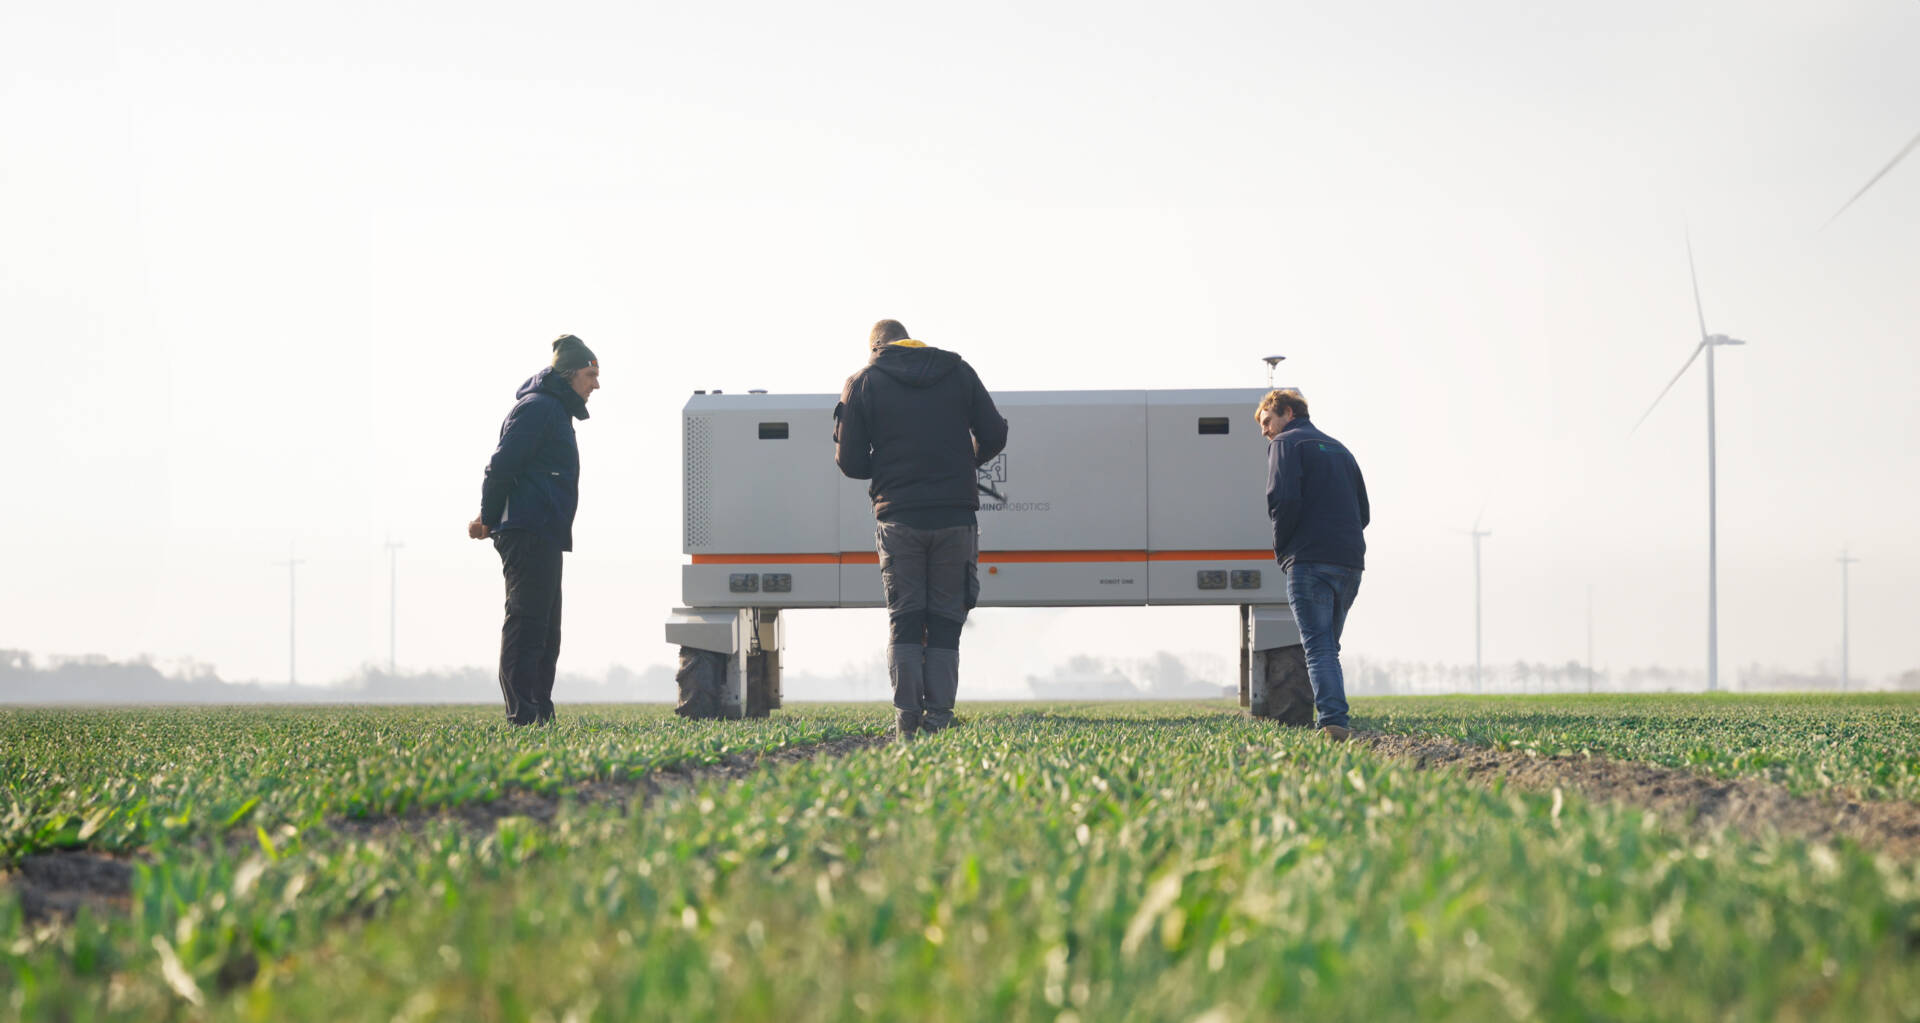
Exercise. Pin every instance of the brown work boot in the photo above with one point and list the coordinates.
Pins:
(1337, 733)
(905, 723)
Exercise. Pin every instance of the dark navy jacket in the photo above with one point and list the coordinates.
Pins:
(917, 422)
(533, 479)
(1316, 498)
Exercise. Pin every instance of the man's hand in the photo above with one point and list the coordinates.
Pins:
(478, 530)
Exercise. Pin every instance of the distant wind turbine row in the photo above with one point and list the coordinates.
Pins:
(1708, 342)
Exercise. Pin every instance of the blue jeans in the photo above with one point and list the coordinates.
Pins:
(1320, 595)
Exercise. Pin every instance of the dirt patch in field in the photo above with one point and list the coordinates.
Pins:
(1750, 807)
(55, 885)
(543, 807)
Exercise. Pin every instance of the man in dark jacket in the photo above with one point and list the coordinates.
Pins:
(1318, 503)
(527, 503)
(918, 423)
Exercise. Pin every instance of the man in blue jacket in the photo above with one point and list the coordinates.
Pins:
(527, 503)
(917, 423)
(1318, 504)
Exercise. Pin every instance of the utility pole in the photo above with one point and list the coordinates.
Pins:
(291, 618)
(393, 604)
(1477, 533)
(1845, 560)
(1589, 638)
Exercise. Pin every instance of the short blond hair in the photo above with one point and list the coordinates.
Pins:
(1284, 398)
(885, 333)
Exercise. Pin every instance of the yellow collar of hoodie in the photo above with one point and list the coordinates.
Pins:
(909, 343)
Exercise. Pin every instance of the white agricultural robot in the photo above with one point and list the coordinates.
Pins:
(1102, 499)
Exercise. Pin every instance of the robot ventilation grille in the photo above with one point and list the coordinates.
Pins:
(699, 483)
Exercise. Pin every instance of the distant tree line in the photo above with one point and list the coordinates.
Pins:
(1387, 677)
(97, 679)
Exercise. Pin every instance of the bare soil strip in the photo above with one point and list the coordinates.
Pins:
(52, 886)
(55, 885)
(542, 807)
(1751, 807)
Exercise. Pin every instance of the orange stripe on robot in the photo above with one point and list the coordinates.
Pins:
(766, 559)
(1242, 555)
(989, 557)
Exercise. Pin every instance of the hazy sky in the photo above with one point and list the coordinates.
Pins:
(272, 273)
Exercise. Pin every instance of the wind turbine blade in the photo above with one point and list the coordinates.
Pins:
(1891, 164)
(1698, 309)
(1663, 391)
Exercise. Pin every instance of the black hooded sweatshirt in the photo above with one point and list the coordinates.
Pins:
(533, 478)
(917, 422)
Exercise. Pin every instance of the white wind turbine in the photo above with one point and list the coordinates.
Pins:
(1708, 342)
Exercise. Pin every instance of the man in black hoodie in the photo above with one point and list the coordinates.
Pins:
(918, 423)
(527, 503)
(1317, 501)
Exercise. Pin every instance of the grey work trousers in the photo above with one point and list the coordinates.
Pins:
(530, 635)
(932, 580)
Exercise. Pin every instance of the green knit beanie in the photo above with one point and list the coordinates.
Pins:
(570, 353)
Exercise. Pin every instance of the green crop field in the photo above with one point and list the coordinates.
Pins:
(1867, 744)
(1091, 862)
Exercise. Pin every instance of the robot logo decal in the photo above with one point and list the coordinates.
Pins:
(992, 476)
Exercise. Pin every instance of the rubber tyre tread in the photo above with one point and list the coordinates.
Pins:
(1289, 689)
(700, 674)
(761, 698)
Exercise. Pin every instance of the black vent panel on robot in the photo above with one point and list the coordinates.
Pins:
(699, 482)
